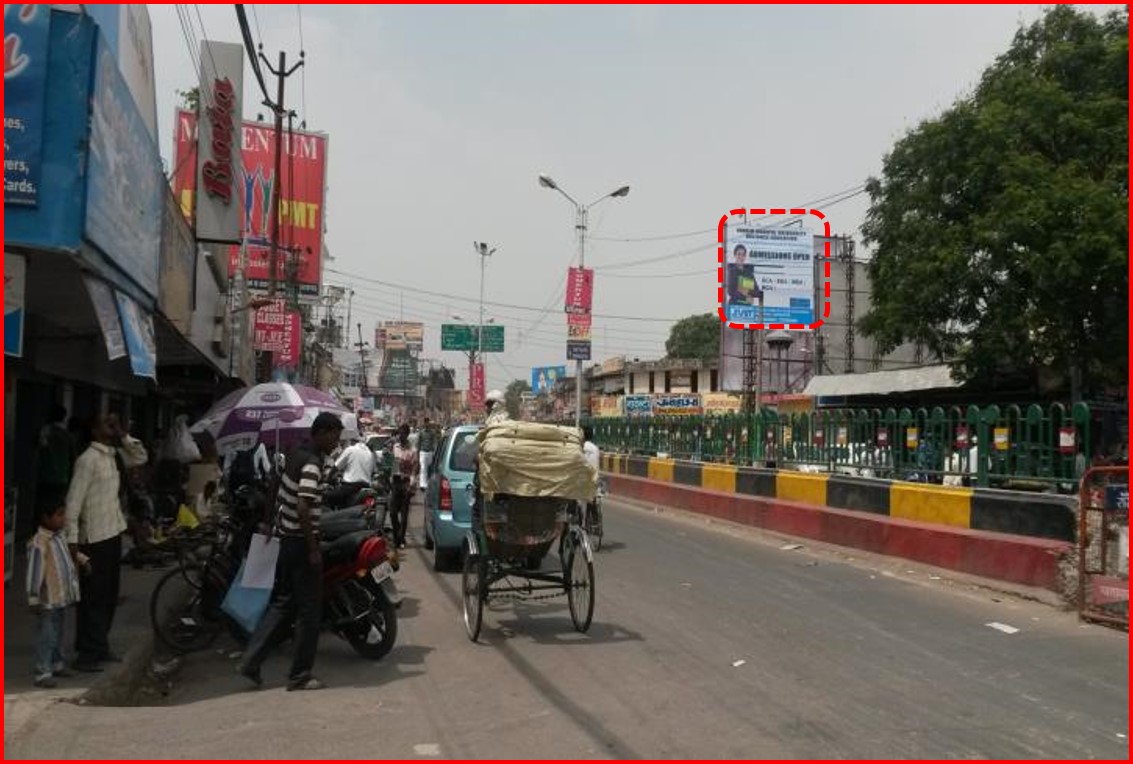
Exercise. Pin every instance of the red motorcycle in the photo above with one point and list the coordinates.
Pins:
(360, 598)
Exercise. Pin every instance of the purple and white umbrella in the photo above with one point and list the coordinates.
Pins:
(274, 413)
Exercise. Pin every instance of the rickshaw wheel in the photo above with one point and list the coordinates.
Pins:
(472, 590)
(578, 575)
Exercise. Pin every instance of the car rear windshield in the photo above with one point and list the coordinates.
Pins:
(462, 456)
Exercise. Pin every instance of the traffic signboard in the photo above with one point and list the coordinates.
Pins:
(465, 337)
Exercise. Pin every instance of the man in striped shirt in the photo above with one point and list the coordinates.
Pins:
(298, 587)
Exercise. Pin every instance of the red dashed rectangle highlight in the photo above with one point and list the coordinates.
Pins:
(723, 266)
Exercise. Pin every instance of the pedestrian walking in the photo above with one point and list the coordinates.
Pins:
(52, 587)
(95, 524)
(297, 597)
(406, 463)
(427, 445)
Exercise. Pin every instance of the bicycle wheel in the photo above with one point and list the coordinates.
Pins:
(185, 617)
(594, 527)
(472, 591)
(578, 578)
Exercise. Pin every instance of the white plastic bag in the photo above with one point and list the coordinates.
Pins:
(180, 446)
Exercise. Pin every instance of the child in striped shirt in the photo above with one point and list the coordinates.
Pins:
(52, 586)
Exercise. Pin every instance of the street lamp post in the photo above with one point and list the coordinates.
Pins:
(580, 217)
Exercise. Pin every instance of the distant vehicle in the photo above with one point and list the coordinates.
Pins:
(449, 495)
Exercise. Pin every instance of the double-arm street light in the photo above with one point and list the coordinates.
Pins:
(580, 213)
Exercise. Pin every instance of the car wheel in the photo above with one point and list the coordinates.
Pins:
(429, 543)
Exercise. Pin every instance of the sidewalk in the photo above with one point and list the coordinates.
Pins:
(131, 637)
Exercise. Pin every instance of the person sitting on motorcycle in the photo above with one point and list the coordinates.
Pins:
(356, 466)
(497, 409)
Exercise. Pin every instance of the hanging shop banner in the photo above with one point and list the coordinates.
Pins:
(476, 386)
(279, 330)
(638, 405)
(125, 183)
(578, 350)
(578, 327)
(302, 190)
(15, 278)
(580, 290)
(26, 28)
(677, 405)
(218, 159)
(543, 378)
(106, 309)
(137, 328)
(779, 262)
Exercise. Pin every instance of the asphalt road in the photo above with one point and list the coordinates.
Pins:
(708, 641)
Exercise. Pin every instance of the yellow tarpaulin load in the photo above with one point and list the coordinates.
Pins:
(531, 459)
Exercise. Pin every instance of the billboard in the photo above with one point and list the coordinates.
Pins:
(400, 335)
(125, 184)
(218, 159)
(543, 378)
(580, 290)
(465, 337)
(779, 262)
(721, 403)
(137, 330)
(26, 28)
(128, 32)
(677, 405)
(638, 405)
(302, 189)
(476, 392)
(578, 327)
(279, 331)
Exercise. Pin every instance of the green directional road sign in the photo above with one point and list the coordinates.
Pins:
(464, 337)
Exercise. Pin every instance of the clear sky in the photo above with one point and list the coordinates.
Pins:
(441, 118)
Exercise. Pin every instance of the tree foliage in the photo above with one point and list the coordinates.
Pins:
(1000, 227)
(191, 98)
(512, 396)
(695, 337)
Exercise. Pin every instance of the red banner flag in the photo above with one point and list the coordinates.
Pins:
(580, 290)
(476, 386)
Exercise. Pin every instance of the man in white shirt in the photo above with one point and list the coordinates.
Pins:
(356, 466)
(95, 523)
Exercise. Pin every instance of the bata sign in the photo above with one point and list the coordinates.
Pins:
(216, 173)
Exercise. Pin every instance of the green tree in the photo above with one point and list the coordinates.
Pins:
(1000, 228)
(513, 396)
(191, 98)
(695, 337)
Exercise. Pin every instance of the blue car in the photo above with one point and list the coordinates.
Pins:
(449, 495)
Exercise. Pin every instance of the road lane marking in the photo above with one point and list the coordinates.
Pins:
(1003, 627)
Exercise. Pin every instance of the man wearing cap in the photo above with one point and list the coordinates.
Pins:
(298, 588)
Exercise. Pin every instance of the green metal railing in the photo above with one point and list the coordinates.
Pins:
(1014, 446)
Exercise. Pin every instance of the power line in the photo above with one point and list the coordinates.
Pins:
(250, 47)
(688, 234)
(302, 55)
(486, 302)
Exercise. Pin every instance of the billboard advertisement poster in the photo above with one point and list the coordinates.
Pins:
(128, 32)
(578, 326)
(578, 350)
(777, 261)
(15, 276)
(580, 290)
(677, 405)
(302, 187)
(476, 391)
(105, 308)
(608, 406)
(638, 405)
(125, 184)
(279, 331)
(219, 133)
(721, 403)
(137, 328)
(26, 28)
(401, 335)
(543, 378)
